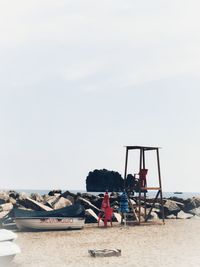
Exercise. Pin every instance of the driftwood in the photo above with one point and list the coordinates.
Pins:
(104, 252)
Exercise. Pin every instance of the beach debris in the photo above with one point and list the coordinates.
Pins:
(104, 252)
(183, 215)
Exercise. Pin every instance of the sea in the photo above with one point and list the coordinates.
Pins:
(183, 195)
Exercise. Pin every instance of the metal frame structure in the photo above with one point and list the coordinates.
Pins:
(144, 189)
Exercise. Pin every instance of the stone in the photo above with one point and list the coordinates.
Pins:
(32, 204)
(170, 207)
(191, 203)
(13, 194)
(172, 216)
(4, 196)
(195, 217)
(7, 207)
(51, 200)
(154, 216)
(195, 211)
(3, 214)
(62, 203)
(56, 191)
(37, 197)
(183, 215)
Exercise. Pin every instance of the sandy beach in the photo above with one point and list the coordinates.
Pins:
(174, 244)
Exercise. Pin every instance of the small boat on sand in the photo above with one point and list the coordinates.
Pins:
(6, 235)
(8, 249)
(70, 217)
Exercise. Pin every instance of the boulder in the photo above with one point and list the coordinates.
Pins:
(13, 194)
(195, 211)
(191, 203)
(6, 207)
(153, 216)
(68, 195)
(172, 216)
(32, 204)
(37, 197)
(171, 207)
(4, 196)
(51, 200)
(195, 217)
(62, 203)
(183, 215)
(12, 201)
(56, 191)
(3, 214)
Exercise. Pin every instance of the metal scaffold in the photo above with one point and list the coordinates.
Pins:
(142, 187)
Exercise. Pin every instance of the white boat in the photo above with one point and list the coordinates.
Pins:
(8, 249)
(71, 217)
(6, 235)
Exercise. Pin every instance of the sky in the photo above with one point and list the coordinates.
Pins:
(82, 79)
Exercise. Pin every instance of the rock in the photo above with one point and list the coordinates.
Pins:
(13, 194)
(2, 201)
(51, 200)
(4, 196)
(12, 200)
(154, 216)
(37, 197)
(191, 203)
(62, 203)
(7, 207)
(32, 204)
(195, 211)
(170, 207)
(195, 217)
(68, 195)
(53, 192)
(172, 216)
(3, 214)
(183, 215)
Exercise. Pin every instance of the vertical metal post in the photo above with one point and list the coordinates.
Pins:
(125, 171)
(141, 156)
(160, 185)
(145, 206)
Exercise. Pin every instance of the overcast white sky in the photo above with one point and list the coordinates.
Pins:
(81, 79)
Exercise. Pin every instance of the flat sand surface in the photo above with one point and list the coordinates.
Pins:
(177, 243)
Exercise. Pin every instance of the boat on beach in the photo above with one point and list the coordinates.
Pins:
(8, 249)
(70, 217)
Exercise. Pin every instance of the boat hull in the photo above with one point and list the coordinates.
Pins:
(50, 223)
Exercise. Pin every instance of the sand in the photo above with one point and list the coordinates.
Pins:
(177, 243)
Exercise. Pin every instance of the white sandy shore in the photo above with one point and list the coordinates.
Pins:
(177, 243)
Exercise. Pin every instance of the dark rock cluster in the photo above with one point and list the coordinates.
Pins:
(174, 208)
